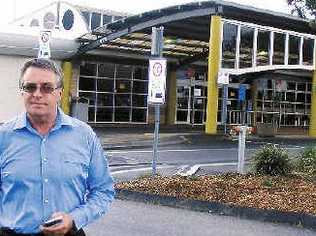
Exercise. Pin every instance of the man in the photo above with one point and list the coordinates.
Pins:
(52, 165)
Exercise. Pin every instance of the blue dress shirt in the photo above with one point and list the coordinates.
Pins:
(65, 170)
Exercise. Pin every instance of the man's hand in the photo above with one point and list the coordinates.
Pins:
(61, 228)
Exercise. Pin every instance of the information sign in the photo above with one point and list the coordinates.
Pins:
(157, 81)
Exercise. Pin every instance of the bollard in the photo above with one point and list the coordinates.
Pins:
(241, 149)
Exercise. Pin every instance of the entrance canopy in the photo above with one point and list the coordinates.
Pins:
(254, 37)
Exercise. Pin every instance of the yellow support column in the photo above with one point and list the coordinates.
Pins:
(65, 99)
(213, 68)
(312, 125)
(172, 98)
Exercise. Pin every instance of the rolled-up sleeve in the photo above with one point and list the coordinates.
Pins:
(100, 190)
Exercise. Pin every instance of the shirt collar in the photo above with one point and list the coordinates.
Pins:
(61, 120)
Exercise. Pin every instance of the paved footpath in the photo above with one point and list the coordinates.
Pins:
(128, 218)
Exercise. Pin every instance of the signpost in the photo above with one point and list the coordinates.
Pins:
(157, 85)
(223, 78)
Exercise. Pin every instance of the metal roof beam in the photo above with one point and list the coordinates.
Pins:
(143, 25)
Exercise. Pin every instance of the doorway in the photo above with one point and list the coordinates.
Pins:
(191, 100)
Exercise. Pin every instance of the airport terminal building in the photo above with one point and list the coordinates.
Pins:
(268, 57)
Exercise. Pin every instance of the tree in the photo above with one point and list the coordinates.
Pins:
(303, 8)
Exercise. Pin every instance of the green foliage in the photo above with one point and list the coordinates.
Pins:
(306, 161)
(271, 160)
(303, 8)
(268, 183)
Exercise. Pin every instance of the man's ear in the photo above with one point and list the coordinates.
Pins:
(60, 94)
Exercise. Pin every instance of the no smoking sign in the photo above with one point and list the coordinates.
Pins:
(157, 81)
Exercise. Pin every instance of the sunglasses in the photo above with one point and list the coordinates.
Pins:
(46, 88)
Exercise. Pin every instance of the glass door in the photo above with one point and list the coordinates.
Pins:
(183, 102)
(191, 100)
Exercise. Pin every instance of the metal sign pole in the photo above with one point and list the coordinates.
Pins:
(224, 107)
(156, 51)
(241, 149)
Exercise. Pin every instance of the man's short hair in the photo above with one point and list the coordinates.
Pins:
(45, 64)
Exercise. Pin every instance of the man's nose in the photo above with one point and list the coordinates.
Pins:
(37, 92)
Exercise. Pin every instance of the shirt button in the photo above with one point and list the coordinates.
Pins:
(45, 180)
(45, 201)
(44, 159)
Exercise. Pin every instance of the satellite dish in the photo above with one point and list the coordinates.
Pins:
(34, 23)
(49, 20)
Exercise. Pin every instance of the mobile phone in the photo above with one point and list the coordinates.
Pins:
(52, 222)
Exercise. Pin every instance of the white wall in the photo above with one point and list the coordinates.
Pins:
(11, 102)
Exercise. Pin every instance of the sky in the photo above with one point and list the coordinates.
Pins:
(11, 9)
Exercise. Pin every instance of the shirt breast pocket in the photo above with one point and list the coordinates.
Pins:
(75, 167)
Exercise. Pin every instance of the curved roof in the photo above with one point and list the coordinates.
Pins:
(190, 21)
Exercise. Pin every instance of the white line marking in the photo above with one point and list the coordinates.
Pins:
(168, 167)
(192, 150)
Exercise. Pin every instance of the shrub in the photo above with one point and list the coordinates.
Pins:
(306, 161)
(271, 160)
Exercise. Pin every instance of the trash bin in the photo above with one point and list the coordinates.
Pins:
(266, 129)
(79, 108)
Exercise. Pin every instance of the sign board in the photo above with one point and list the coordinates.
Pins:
(223, 78)
(157, 81)
(242, 92)
(44, 47)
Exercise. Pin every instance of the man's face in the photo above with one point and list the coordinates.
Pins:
(42, 101)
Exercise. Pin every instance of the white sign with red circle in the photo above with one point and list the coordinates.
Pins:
(157, 81)
(44, 47)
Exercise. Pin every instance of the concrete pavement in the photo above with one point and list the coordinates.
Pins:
(143, 137)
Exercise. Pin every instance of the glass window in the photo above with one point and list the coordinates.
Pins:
(123, 71)
(106, 70)
(140, 87)
(123, 100)
(123, 86)
(300, 97)
(139, 100)
(91, 113)
(139, 115)
(121, 114)
(104, 114)
(86, 16)
(88, 69)
(95, 20)
(117, 17)
(279, 49)
(90, 96)
(106, 19)
(87, 84)
(68, 20)
(105, 99)
(105, 85)
(291, 86)
(229, 45)
(246, 47)
(182, 116)
(301, 87)
(263, 46)
(294, 50)
(140, 73)
(308, 50)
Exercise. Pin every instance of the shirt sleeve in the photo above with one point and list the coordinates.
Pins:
(100, 190)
